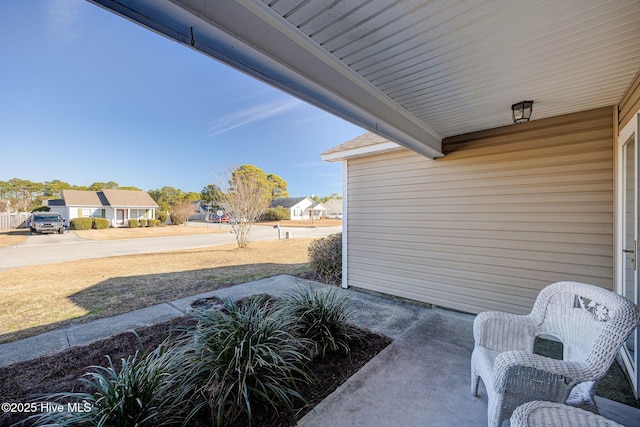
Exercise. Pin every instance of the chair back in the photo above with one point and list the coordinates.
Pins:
(592, 322)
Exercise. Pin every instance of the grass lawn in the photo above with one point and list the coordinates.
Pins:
(12, 237)
(41, 298)
(142, 232)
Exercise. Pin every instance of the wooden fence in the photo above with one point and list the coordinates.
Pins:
(13, 220)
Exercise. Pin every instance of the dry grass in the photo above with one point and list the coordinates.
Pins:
(42, 298)
(12, 237)
(142, 232)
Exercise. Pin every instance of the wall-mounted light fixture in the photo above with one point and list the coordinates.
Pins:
(521, 111)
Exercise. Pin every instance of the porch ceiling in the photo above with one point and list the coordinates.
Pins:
(416, 71)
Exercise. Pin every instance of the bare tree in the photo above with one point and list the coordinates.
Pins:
(245, 194)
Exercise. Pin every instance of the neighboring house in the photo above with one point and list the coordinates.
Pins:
(462, 208)
(334, 206)
(118, 206)
(301, 207)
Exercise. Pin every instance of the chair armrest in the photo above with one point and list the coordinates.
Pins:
(500, 331)
(538, 377)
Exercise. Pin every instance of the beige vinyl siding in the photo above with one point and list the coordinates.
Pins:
(503, 214)
(630, 102)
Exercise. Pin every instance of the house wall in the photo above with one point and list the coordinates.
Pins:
(334, 206)
(630, 102)
(68, 213)
(296, 212)
(71, 212)
(292, 213)
(300, 209)
(503, 214)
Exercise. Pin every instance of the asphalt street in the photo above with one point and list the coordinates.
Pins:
(54, 248)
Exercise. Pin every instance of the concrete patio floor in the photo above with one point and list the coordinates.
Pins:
(421, 379)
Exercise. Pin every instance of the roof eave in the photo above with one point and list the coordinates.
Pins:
(368, 150)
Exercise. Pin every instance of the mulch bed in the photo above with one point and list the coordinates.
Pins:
(21, 382)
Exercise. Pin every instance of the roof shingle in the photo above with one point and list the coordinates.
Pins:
(114, 198)
(129, 198)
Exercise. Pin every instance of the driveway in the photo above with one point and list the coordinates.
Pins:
(54, 248)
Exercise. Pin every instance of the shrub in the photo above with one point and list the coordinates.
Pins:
(81, 223)
(325, 258)
(143, 222)
(181, 211)
(247, 356)
(133, 223)
(41, 208)
(162, 216)
(100, 223)
(140, 393)
(276, 214)
(153, 222)
(323, 319)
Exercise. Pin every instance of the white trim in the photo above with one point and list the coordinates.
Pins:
(623, 136)
(367, 150)
(345, 225)
(630, 130)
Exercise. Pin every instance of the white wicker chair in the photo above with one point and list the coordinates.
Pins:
(543, 414)
(592, 324)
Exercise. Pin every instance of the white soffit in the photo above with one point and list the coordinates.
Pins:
(459, 65)
(415, 71)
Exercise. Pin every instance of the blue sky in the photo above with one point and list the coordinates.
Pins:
(87, 96)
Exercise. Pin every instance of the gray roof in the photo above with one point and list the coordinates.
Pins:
(287, 203)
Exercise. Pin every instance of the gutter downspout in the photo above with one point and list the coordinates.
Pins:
(345, 224)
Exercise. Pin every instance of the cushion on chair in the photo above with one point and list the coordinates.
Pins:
(539, 414)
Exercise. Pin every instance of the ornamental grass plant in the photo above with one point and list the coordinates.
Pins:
(139, 393)
(243, 356)
(321, 318)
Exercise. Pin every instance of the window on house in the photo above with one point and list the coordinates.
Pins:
(139, 213)
(91, 213)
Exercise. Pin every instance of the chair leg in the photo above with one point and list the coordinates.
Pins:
(475, 382)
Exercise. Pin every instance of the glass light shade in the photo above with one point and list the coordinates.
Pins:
(521, 111)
